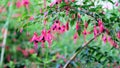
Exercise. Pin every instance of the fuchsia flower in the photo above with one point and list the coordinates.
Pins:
(101, 26)
(86, 24)
(31, 51)
(85, 32)
(8, 57)
(21, 30)
(66, 1)
(31, 18)
(104, 38)
(77, 26)
(75, 37)
(58, 28)
(55, 2)
(18, 4)
(26, 3)
(117, 4)
(73, 0)
(35, 40)
(112, 42)
(45, 36)
(49, 37)
(25, 53)
(67, 26)
(118, 34)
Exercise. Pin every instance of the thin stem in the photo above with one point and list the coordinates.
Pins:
(5, 35)
(78, 50)
(3, 44)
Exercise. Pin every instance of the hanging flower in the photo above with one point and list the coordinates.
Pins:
(77, 26)
(75, 37)
(101, 26)
(18, 4)
(26, 3)
(67, 26)
(104, 38)
(35, 40)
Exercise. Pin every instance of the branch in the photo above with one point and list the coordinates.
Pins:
(78, 51)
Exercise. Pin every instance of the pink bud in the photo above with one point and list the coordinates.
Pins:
(75, 37)
(104, 38)
(77, 26)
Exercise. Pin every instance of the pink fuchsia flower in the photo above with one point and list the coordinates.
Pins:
(104, 38)
(31, 18)
(75, 37)
(18, 4)
(77, 26)
(117, 4)
(112, 42)
(66, 1)
(79, 16)
(35, 40)
(25, 53)
(31, 51)
(9, 3)
(45, 21)
(85, 33)
(8, 57)
(86, 25)
(55, 2)
(21, 30)
(49, 37)
(67, 26)
(118, 34)
(73, 0)
(26, 3)
(101, 26)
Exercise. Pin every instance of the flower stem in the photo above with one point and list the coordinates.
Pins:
(78, 50)
(5, 35)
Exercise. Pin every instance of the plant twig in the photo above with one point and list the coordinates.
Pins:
(3, 44)
(78, 51)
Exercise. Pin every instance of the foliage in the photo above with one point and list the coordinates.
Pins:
(47, 36)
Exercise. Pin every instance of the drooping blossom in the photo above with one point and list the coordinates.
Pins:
(104, 38)
(79, 16)
(66, 1)
(31, 51)
(8, 57)
(112, 42)
(77, 26)
(75, 37)
(55, 2)
(18, 4)
(73, 0)
(49, 37)
(67, 8)
(21, 30)
(35, 40)
(118, 34)
(26, 3)
(85, 33)
(67, 26)
(86, 25)
(31, 18)
(25, 53)
(117, 4)
(101, 26)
